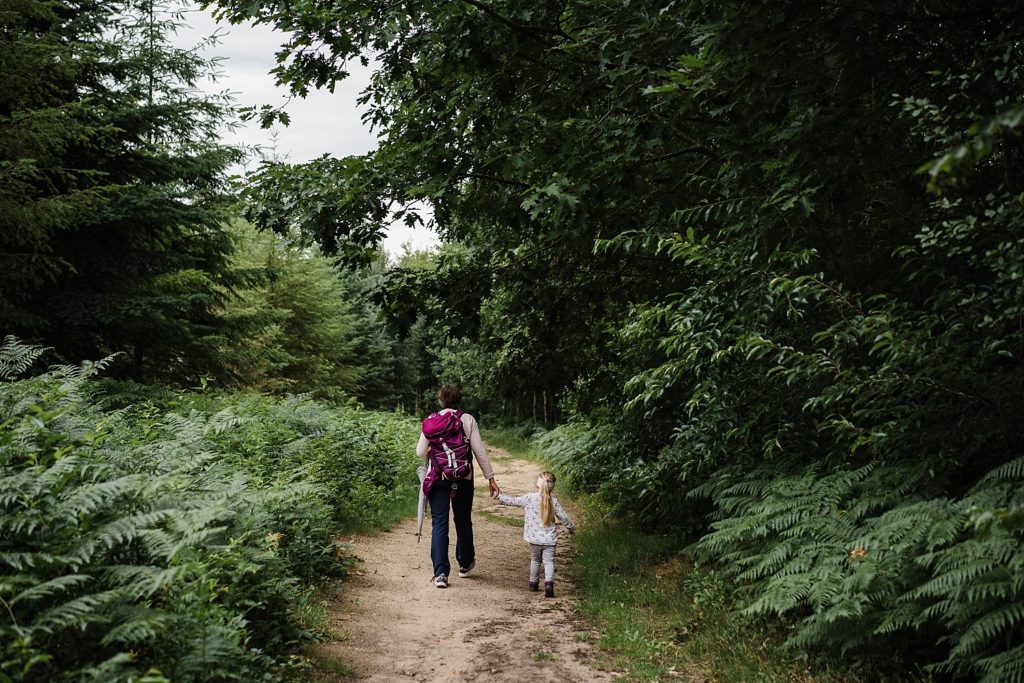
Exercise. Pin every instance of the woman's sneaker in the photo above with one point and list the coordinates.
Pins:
(441, 581)
(464, 571)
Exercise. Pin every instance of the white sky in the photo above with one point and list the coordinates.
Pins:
(321, 123)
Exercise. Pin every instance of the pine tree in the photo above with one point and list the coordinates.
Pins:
(111, 186)
(305, 324)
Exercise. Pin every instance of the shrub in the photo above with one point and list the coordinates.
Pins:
(172, 542)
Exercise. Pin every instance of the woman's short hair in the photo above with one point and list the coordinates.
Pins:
(449, 396)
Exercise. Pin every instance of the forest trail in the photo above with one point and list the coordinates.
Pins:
(392, 624)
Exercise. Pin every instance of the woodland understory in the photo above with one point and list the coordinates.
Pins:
(750, 274)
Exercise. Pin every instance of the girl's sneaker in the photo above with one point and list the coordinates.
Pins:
(549, 589)
(441, 581)
(534, 586)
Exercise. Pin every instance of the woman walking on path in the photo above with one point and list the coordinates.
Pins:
(448, 437)
(539, 529)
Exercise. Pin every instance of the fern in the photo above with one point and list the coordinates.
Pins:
(124, 530)
(991, 627)
(48, 589)
(1004, 667)
(16, 357)
(95, 496)
(1012, 471)
(137, 626)
(890, 563)
(145, 581)
(147, 530)
(76, 613)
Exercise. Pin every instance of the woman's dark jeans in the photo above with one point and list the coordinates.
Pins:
(461, 506)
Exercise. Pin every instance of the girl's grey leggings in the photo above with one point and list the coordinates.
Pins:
(542, 553)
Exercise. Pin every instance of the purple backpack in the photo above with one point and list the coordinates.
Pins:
(449, 456)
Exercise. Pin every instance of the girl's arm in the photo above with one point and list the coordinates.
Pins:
(518, 501)
(562, 517)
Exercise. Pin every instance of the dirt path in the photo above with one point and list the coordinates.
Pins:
(392, 624)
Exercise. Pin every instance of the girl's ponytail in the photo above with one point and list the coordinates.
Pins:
(545, 483)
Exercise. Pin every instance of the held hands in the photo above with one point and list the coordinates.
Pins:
(493, 488)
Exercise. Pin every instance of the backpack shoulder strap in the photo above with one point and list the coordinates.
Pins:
(462, 425)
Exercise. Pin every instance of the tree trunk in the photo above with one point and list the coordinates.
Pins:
(138, 357)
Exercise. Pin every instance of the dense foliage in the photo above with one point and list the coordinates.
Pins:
(769, 256)
(178, 537)
(114, 220)
(309, 325)
(112, 186)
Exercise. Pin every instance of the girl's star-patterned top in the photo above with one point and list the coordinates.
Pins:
(534, 530)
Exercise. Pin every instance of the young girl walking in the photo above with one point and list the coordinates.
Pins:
(539, 529)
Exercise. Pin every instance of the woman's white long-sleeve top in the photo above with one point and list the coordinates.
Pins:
(534, 530)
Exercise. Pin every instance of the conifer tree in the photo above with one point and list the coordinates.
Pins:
(304, 324)
(111, 186)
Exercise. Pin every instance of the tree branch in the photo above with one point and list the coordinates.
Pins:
(497, 179)
(528, 29)
(696, 149)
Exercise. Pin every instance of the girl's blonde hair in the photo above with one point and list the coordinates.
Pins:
(547, 510)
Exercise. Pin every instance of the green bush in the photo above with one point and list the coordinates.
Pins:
(870, 560)
(175, 541)
(596, 458)
(867, 555)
